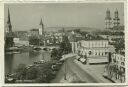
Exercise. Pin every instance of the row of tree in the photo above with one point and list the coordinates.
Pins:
(40, 74)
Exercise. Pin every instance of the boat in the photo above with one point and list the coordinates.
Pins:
(39, 62)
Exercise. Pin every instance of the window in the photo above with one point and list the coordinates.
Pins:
(105, 53)
(122, 63)
(120, 58)
(102, 54)
(89, 52)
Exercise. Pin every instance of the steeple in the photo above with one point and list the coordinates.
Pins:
(108, 20)
(41, 28)
(41, 23)
(8, 32)
(116, 19)
(9, 26)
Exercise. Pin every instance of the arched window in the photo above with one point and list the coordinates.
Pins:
(102, 54)
(89, 52)
(105, 53)
(122, 63)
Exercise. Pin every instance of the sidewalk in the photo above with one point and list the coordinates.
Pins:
(95, 71)
(69, 78)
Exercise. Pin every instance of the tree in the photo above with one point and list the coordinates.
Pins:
(32, 73)
(45, 73)
(21, 72)
(54, 54)
(119, 44)
(65, 45)
(34, 40)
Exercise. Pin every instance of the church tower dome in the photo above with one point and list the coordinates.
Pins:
(116, 19)
(108, 20)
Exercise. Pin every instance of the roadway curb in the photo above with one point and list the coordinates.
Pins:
(91, 74)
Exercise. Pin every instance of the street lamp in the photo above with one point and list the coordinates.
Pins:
(64, 58)
(65, 77)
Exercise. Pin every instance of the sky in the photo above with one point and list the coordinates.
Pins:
(25, 16)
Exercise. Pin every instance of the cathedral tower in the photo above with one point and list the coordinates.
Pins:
(116, 19)
(108, 20)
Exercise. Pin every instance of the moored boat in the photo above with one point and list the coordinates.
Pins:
(39, 62)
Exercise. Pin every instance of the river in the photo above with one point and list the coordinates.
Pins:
(27, 58)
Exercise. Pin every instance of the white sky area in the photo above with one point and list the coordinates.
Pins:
(27, 16)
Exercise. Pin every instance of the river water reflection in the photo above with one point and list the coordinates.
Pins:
(27, 58)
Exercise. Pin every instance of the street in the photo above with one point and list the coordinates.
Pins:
(69, 73)
(74, 69)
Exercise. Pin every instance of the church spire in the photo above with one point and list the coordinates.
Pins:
(8, 17)
(9, 26)
(41, 23)
(41, 28)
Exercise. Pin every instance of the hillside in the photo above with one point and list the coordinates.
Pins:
(72, 28)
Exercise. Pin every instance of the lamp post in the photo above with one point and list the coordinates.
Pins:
(65, 73)
(65, 77)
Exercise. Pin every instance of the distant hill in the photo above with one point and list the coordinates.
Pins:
(73, 28)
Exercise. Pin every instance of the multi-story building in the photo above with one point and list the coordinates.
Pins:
(74, 38)
(34, 32)
(116, 68)
(119, 60)
(94, 47)
(19, 42)
(95, 51)
(23, 35)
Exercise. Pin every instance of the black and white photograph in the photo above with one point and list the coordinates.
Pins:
(67, 86)
(64, 43)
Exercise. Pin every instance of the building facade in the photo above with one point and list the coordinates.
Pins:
(119, 60)
(34, 32)
(18, 42)
(95, 51)
(93, 48)
(115, 70)
(112, 23)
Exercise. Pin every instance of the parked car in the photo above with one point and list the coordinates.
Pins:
(83, 60)
(55, 67)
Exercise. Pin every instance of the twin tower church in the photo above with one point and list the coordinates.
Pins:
(112, 22)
